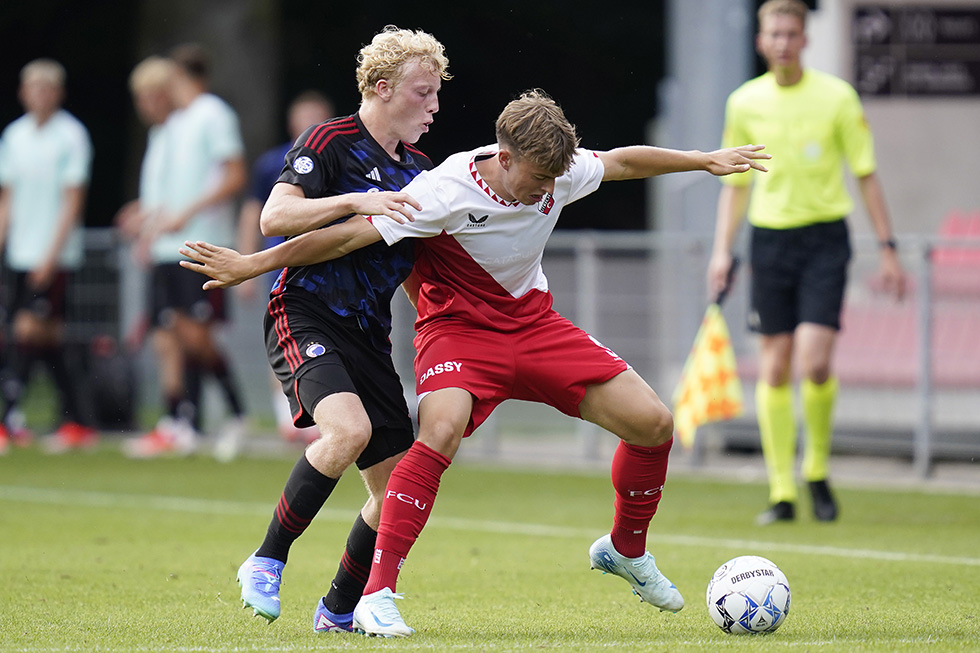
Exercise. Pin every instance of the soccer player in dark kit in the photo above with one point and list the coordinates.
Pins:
(327, 325)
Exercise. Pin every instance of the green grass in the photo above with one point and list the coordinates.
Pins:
(100, 553)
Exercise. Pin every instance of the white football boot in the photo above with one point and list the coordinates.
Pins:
(641, 573)
(377, 615)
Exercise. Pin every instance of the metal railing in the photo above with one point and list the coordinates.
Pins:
(908, 385)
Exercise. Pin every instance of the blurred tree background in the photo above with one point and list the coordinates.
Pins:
(602, 63)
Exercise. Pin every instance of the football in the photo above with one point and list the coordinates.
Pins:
(748, 594)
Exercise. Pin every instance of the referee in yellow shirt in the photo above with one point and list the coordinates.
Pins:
(812, 123)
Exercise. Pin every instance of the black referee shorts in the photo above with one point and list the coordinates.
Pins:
(174, 289)
(798, 275)
(46, 304)
(316, 353)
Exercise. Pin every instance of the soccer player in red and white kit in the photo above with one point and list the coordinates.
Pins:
(485, 218)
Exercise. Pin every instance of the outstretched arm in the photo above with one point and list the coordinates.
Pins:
(288, 212)
(641, 161)
(226, 267)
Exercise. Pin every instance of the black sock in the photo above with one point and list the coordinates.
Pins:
(222, 375)
(55, 360)
(355, 566)
(304, 495)
(21, 363)
(189, 405)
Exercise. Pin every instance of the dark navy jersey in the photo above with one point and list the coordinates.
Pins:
(337, 157)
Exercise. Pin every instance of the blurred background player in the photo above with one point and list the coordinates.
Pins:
(149, 84)
(308, 108)
(203, 173)
(812, 123)
(45, 164)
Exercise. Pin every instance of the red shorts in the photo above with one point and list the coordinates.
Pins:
(551, 361)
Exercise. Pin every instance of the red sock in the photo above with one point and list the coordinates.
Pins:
(638, 476)
(408, 501)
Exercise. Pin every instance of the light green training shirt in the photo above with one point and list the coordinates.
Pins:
(38, 163)
(811, 129)
(153, 169)
(198, 141)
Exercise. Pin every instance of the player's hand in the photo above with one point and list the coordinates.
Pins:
(719, 273)
(225, 266)
(129, 220)
(891, 275)
(394, 204)
(736, 159)
(40, 278)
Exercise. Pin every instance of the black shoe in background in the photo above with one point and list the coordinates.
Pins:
(782, 511)
(824, 505)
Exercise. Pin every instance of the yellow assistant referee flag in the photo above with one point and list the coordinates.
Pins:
(709, 389)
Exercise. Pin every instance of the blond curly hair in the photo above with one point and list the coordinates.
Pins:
(384, 57)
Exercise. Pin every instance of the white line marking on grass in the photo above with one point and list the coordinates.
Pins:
(215, 507)
(419, 644)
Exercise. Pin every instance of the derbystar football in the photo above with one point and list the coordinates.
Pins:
(748, 594)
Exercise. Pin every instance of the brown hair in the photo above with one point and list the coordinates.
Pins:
(796, 8)
(192, 59)
(534, 127)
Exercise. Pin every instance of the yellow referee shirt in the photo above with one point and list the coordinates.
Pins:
(810, 129)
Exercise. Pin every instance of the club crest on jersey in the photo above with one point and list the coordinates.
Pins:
(548, 201)
(315, 349)
(303, 165)
(475, 222)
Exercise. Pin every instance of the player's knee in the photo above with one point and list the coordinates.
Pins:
(337, 448)
(818, 373)
(443, 436)
(355, 433)
(347, 436)
(652, 426)
(662, 426)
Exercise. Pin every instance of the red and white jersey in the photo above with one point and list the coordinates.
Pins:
(479, 256)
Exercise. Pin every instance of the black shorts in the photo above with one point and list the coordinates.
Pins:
(175, 289)
(316, 353)
(798, 275)
(47, 304)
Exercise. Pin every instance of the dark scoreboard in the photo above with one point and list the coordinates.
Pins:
(916, 50)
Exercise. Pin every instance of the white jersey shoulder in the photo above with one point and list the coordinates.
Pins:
(506, 239)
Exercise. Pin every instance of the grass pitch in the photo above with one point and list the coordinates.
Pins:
(98, 553)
